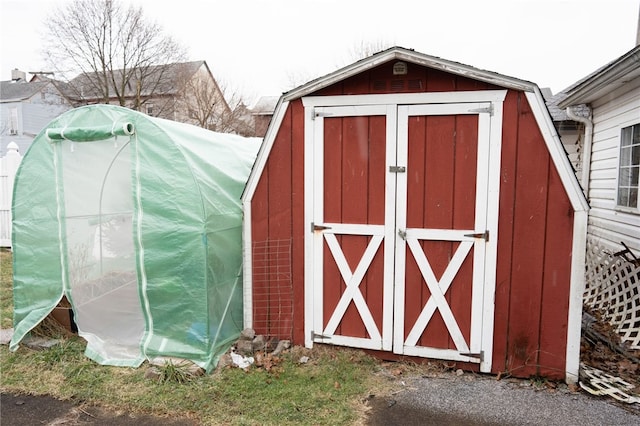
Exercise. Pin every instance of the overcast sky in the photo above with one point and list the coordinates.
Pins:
(265, 47)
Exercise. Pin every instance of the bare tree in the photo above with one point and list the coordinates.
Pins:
(237, 119)
(366, 48)
(211, 105)
(115, 50)
(359, 50)
(200, 96)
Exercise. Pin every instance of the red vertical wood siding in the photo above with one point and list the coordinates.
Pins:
(464, 199)
(354, 168)
(505, 229)
(437, 213)
(441, 194)
(555, 290)
(528, 245)
(374, 281)
(297, 213)
(535, 235)
(259, 236)
(280, 227)
(534, 225)
(333, 177)
(277, 206)
(415, 288)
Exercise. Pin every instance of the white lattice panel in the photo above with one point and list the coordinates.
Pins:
(597, 382)
(613, 289)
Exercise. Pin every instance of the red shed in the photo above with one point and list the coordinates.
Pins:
(415, 206)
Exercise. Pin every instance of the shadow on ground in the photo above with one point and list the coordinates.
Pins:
(21, 410)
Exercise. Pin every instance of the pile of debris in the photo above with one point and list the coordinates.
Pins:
(608, 365)
(257, 350)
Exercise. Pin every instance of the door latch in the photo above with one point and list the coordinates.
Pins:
(397, 169)
(484, 235)
(402, 234)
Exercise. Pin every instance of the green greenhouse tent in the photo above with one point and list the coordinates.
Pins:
(137, 222)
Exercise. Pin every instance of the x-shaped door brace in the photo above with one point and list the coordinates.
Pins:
(353, 280)
(437, 290)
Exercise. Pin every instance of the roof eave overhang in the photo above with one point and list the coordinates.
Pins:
(6, 101)
(627, 67)
(401, 54)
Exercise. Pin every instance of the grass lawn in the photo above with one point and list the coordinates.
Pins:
(329, 389)
(6, 289)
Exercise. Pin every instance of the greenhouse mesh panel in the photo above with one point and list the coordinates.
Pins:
(273, 289)
(613, 289)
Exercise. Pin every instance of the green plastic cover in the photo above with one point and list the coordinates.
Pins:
(137, 221)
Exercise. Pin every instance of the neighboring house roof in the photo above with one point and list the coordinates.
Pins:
(560, 114)
(163, 80)
(265, 105)
(20, 90)
(551, 100)
(557, 113)
(604, 80)
(14, 91)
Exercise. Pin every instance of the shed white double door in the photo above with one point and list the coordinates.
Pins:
(402, 204)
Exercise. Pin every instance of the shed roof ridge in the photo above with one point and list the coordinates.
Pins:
(410, 55)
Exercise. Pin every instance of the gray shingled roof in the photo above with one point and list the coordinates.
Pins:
(604, 79)
(19, 90)
(553, 102)
(166, 77)
(560, 114)
(265, 105)
(557, 113)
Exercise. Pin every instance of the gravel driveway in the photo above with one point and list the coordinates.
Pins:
(449, 399)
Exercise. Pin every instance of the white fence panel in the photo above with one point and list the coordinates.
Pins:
(8, 167)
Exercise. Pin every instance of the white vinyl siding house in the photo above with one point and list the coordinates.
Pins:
(613, 95)
(25, 109)
(610, 223)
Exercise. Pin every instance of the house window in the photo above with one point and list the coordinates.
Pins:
(150, 109)
(13, 121)
(629, 167)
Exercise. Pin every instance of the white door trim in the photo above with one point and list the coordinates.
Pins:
(479, 348)
(314, 239)
(406, 98)
(488, 106)
(438, 288)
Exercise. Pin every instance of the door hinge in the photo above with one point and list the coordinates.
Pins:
(315, 114)
(315, 335)
(484, 235)
(397, 169)
(315, 227)
(485, 110)
(478, 355)
(402, 234)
